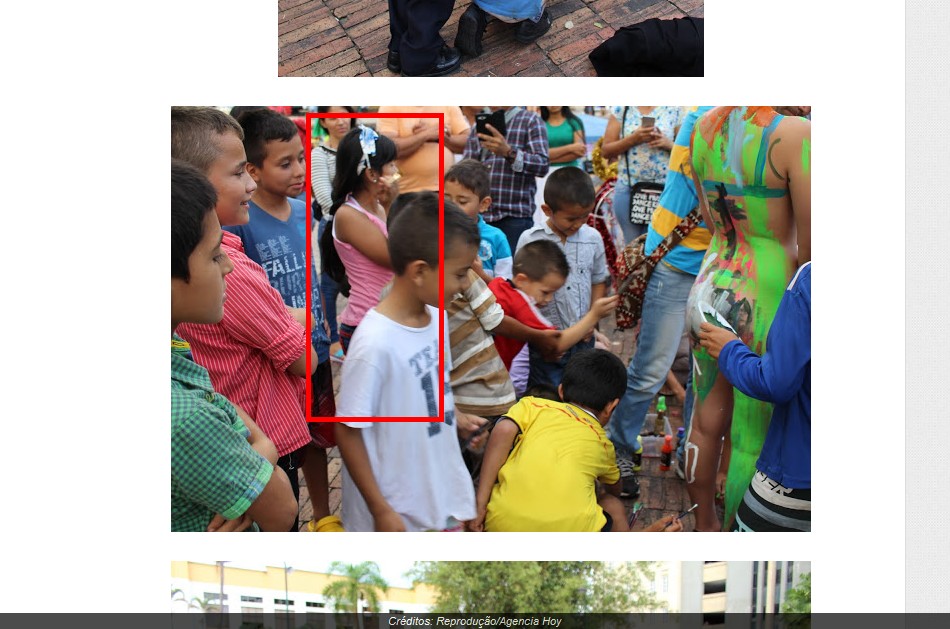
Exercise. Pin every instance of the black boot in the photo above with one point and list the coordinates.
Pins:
(472, 26)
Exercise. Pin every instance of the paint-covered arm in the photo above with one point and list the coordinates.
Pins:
(779, 374)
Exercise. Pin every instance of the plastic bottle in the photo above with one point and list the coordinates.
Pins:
(666, 453)
(660, 427)
(680, 435)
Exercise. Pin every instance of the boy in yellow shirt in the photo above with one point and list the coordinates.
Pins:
(543, 457)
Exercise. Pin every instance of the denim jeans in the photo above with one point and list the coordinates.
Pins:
(543, 372)
(664, 317)
(622, 212)
(330, 291)
(512, 227)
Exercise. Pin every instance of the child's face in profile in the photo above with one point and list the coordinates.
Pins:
(284, 170)
(201, 298)
(467, 200)
(228, 174)
(567, 220)
(541, 291)
(458, 261)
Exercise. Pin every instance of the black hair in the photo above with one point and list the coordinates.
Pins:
(238, 111)
(193, 197)
(538, 258)
(348, 156)
(414, 229)
(195, 132)
(543, 390)
(471, 174)
(325, 109)
(593, 378)
(572, 120)
(262, 126)
(569, 186)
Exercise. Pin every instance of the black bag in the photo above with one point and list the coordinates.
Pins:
(330, 260)
(653, 47)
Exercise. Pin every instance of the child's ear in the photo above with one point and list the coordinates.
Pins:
(560, 391)
(547, 210)
(484, 205)
(609, 409)
(520, 278)
(254, 172)
(415, 271)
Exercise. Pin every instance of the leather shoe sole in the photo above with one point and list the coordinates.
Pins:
(472, 26)
(448, 61)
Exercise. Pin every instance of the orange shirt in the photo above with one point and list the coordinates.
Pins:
(420, 171)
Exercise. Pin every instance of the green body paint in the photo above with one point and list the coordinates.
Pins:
(806, 156)
(744, 274)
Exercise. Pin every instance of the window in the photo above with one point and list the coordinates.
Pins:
(313, 604)
(281, 601)
(214, 596)
(252, 599)
(396, 611)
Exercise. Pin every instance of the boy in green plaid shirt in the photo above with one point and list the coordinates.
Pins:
(222, 465)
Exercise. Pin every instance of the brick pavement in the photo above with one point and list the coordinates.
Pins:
(350, 37)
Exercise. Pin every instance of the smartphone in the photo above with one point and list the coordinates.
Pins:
(495, 119)
(648, 121)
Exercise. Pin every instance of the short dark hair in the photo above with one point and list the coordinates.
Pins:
(543, 390)
(193, 197)
(593, 378)
(540, 257)
(414, 229)
(195, 132)
(568, 186)
(348, 156)
(262, 126)
(472, 174)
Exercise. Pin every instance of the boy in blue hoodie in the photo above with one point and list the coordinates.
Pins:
(779, 496)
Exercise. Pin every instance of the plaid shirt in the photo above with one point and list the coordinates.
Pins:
(214, 468)
(513, 185)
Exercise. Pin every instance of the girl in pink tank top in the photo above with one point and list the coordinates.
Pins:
(362, 190)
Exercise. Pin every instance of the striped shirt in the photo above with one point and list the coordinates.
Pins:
(677, 200)
(247, 354)
(480, 382)
(513, 185)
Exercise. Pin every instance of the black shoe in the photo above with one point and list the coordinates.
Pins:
(629, 486)
(393, 63)
(448, 61)
(529, 31)
(472, 26)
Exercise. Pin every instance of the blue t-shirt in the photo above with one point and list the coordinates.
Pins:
(494, 250)
(281, 248)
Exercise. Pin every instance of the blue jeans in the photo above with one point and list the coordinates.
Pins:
(512, 226)
(664, 317)
(330, 291)
(622, 212)
(543, 372)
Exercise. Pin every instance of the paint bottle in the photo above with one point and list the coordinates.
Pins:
(661, 426)
(666, 454)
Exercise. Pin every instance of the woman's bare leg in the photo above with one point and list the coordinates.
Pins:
(711, 418)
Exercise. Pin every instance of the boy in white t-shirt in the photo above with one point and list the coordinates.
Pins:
(408, 476)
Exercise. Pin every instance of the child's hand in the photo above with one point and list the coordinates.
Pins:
(669, 524)
(468, 424)
(219, 525)
(546, 343)
(478, 524)
(477, 266)
(389, 522)
(721, 487)
(604, 306)
(714, 338)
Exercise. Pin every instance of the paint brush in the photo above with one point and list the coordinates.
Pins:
(682, 515)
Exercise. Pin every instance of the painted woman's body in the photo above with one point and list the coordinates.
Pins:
(754, 165)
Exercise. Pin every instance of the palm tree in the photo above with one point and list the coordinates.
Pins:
(360, 582)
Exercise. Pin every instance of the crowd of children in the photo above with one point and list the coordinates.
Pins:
(523, 443)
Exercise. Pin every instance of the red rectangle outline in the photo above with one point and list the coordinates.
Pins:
(309, 390)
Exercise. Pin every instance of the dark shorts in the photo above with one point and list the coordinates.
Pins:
(768, 506)
(610, 523)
